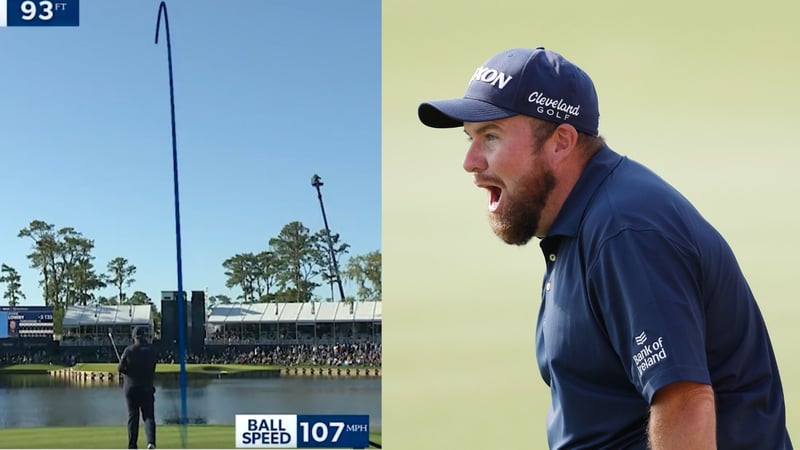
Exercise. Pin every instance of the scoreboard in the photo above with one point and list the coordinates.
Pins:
(26, 322)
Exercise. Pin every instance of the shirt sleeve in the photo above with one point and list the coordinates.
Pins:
(645, 291)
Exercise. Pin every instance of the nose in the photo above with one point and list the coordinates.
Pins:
(474, 160)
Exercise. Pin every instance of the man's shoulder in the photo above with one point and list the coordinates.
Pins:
(633, 183)
(141, 347)
(633, 200)
(634, 196)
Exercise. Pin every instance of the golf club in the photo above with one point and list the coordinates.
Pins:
(114, 345)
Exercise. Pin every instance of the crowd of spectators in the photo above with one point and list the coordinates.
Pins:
(31, 357)
(288, 336)
(236, 337)
(121, 340)
(349, 354)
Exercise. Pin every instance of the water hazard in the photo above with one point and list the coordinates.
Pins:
(42, 400)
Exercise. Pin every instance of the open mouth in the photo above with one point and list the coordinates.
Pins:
(495, 194)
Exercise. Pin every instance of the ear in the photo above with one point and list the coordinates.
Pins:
(565, 141)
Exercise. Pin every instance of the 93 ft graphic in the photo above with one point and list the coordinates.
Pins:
(30, 10)
(39, 13)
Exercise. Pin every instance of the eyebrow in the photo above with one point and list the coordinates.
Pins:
(483, 128)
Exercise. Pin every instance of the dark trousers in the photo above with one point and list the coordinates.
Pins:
(140, 398)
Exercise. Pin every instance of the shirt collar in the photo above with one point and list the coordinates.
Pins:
(597, 169)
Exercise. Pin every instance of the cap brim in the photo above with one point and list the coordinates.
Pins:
(454, 112)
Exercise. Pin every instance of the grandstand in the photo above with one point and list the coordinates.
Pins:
(238, 324)
(294, 323)
(264, 333)
(88, 326)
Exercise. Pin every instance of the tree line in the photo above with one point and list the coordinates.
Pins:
(289, 269)
(64, 259)
(295, 263)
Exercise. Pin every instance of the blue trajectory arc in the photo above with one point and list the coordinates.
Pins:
(162, 10)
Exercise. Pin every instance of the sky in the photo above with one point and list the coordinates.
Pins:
(267, 94)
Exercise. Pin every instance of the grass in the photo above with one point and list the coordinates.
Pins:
(167, 436)
(160, 368)
(175, 368)
(112, 367)
(17, 368)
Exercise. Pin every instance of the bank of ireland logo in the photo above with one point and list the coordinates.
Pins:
(648, 354)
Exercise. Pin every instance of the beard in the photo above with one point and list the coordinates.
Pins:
(518, 219)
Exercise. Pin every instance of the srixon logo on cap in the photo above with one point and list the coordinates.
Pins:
(491, 76)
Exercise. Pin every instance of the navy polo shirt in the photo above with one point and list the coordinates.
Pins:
(639, 292)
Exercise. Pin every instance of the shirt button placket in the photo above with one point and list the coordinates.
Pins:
(552, 259)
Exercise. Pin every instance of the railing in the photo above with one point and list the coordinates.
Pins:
(292, 341)
(95, 341)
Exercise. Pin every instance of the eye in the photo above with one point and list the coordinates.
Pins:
(491, 137)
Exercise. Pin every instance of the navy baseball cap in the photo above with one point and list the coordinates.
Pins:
(535, 82)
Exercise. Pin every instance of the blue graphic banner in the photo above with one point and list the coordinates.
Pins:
(39, 13)
(302, 431)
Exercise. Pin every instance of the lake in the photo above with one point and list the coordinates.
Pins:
(42, 400)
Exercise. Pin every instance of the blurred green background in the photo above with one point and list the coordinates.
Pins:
(704, 93)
